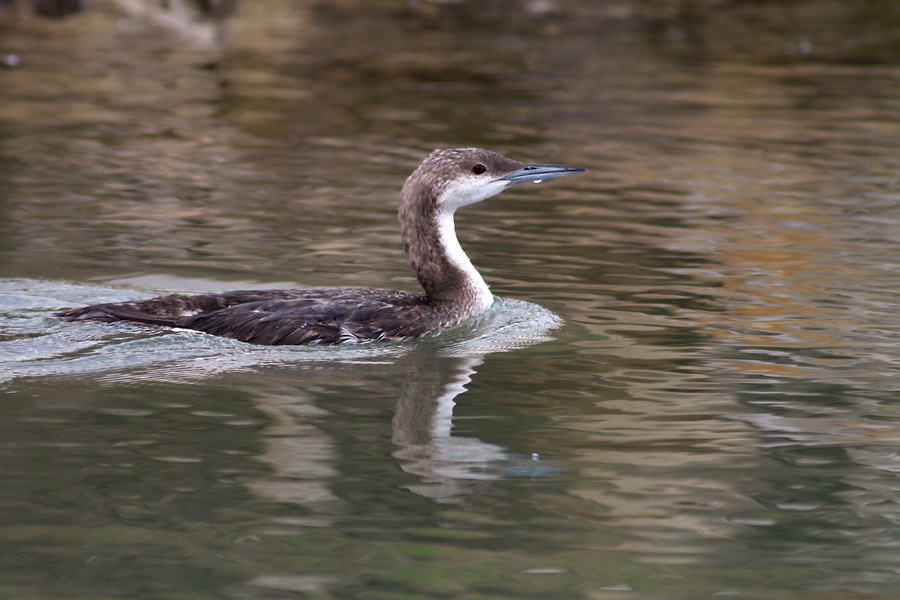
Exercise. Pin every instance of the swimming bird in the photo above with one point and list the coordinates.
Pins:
(454, 291)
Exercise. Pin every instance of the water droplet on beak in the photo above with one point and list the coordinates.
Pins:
(538, 180)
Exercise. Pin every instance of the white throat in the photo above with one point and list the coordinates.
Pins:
(447, 235)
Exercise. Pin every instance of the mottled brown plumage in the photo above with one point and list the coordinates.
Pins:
(453, 289)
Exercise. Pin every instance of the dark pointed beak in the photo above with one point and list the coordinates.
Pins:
(538, 173)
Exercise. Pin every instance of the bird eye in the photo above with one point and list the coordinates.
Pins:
(479, 169)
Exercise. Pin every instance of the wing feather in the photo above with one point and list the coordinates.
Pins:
(282, 317)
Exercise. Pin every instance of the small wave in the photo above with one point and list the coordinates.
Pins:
(35, 344)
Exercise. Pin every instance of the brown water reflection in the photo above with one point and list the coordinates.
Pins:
(716, 415)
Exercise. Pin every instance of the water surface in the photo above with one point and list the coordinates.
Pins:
(688, 389)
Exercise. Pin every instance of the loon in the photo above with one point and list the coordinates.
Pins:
(453, 290)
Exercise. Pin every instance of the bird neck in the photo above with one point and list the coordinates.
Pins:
(439, 262)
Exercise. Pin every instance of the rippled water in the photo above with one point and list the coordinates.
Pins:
(689, 389)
